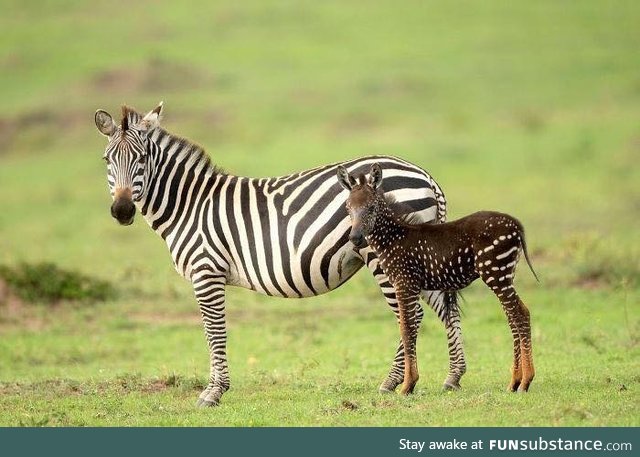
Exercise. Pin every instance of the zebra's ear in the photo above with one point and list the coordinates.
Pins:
(345, 179)
(375, 176)
(105, 123)
(152, 119)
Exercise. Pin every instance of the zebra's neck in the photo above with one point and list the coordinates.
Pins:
(387, 228)
(177, 169)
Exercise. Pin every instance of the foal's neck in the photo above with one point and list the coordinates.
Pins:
(387, 228)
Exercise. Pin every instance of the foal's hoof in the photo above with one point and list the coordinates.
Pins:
(513, 386)
(446, 387)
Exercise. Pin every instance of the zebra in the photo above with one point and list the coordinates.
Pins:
(449, 256)
(281, 236)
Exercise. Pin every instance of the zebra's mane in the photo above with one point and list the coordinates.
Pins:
(187, 146)
(403, 212)
(131, 116)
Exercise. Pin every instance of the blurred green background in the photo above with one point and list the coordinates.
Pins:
(531, 108)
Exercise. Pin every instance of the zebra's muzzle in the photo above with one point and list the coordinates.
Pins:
(123, 211)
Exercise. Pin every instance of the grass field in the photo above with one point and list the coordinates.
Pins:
(530, 108)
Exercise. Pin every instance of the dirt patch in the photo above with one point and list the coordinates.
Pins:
(13, 310)
(353, 124)
(122, 384)
(349, 405)
(23, 124)
(191, 318)
(591, 281)
(152, 76)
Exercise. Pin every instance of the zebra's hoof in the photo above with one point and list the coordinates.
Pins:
(207, 403)
(447, 387)
(388, 386)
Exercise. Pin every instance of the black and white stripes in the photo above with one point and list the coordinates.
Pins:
(283, 236)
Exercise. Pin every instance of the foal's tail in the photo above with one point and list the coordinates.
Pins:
(526, 256)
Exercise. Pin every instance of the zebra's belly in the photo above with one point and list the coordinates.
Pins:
(305, 280)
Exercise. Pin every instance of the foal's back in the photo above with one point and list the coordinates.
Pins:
(479, 230)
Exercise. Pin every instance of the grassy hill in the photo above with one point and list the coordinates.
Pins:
(530, 108)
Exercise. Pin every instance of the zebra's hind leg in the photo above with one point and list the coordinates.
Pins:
(210, 291)
(445, 305)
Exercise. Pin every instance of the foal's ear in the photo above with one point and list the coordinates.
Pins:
(152, 119)
(345, 179)
(104, 123)
(375, 176)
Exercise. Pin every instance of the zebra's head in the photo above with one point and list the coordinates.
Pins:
(126, 157)
(362, 203)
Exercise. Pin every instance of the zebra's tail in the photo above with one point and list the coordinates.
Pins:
(451, 301)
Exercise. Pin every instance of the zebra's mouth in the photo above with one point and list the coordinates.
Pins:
(125, 222)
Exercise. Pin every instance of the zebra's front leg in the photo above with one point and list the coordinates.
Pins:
(210, 291)
(445, 305)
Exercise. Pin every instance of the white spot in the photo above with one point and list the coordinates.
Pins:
(505, 254)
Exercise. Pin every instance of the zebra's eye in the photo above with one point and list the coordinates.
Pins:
(142, 160)
(106, 159)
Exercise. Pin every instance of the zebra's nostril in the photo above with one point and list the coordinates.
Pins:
(123, 211)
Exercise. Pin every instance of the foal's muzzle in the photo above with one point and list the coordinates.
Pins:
(123, 211)
(358, 240)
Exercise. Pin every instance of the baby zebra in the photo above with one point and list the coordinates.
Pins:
(449, 257)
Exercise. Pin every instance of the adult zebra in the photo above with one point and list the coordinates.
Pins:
(285, 236)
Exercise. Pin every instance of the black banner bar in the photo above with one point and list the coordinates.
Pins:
(321, 442)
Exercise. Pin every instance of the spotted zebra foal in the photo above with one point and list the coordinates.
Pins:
(448, 257)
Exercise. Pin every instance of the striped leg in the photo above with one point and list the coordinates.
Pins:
(209, 288)
(445, 305)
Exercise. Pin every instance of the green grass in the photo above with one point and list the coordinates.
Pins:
(528, 108)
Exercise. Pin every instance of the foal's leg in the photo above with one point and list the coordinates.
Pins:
(509, 306)
(524, 327)
(445, 305)
(520, 317)
(407, 302)
(396, 374)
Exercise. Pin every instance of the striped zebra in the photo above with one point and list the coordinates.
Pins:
(286, 236)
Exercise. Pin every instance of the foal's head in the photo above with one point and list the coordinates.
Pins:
(362, 203)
